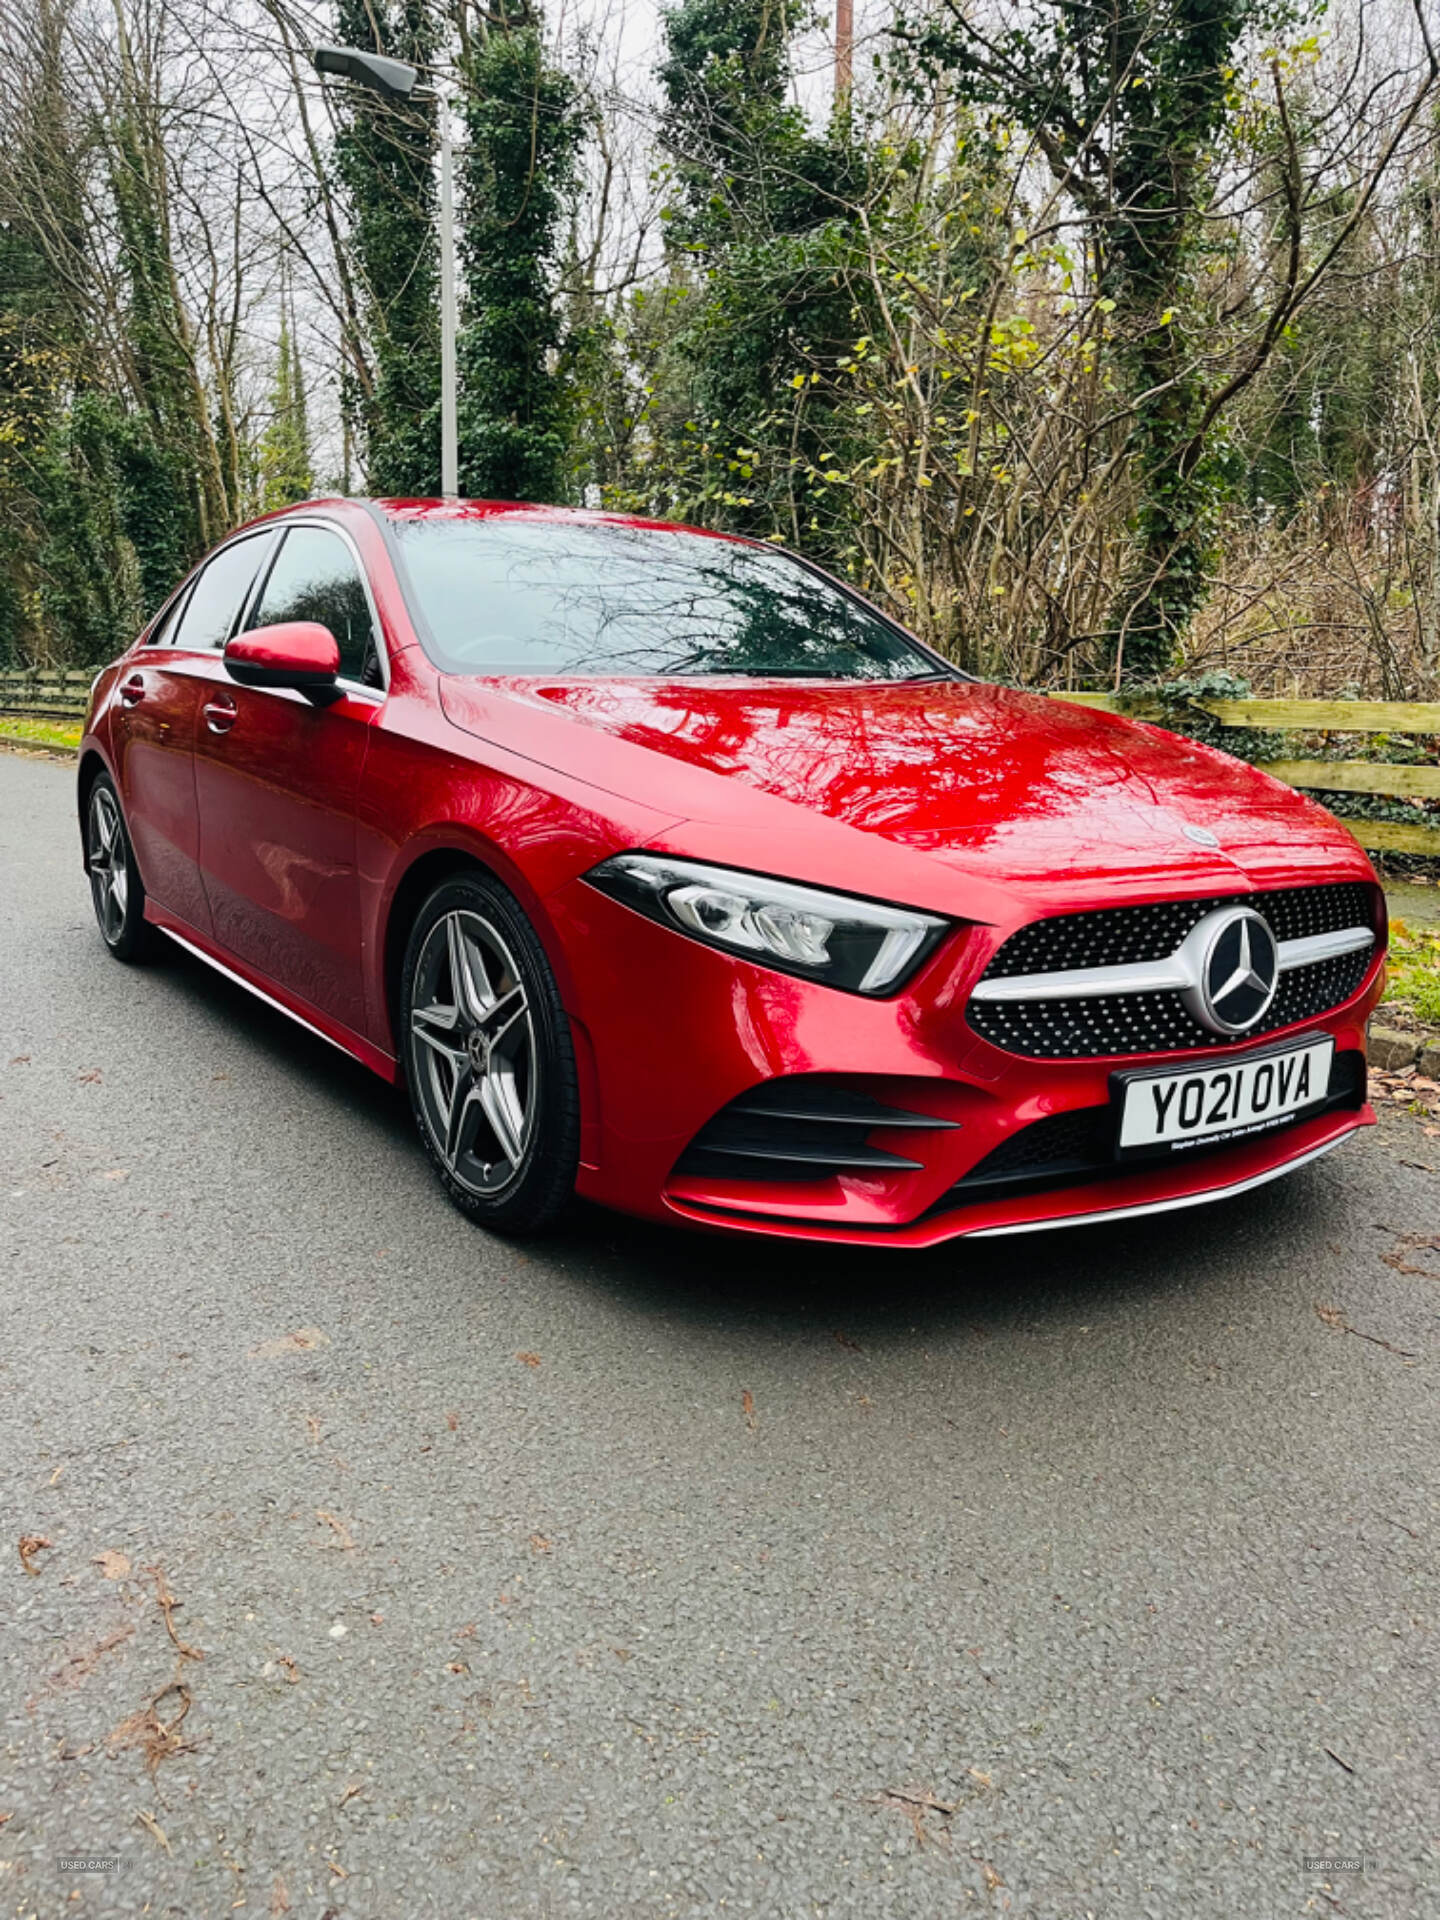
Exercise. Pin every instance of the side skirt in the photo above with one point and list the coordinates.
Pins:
(339, 1036)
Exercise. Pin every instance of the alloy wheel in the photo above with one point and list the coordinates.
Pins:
(109, 864)
(474, 1052)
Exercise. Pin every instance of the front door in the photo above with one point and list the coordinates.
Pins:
(276, 782)
(161, 691)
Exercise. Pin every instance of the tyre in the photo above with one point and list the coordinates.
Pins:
(488, 1058)
(116, 890)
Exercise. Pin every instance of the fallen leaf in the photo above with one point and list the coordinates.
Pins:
(622, 1653)
(30, 1545)
(538, 1543)
(304, 1340)
(153, 1827)
(316, 1430)
(113, 1564)
(456, 1666)
(279, 1898)
(355, 1787)
(528, 1359)
(1332, 1316)
(91, 1077)
(343, 1539)
(747, 1407)
(116, 1173)
(990, 1876)
(983, 1778)
(20, 1060)
(452, 1421)
(292, 1671)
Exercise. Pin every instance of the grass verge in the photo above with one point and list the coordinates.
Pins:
(1414, 972)
(59, 736)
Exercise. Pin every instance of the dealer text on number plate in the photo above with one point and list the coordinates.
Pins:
(1222, 1102)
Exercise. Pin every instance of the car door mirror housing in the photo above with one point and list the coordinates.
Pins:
(300, 654)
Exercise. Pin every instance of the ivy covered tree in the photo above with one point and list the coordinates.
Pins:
(283, 457)
(762, 242)
(522, 133)
(1125, 103)
(385, 155)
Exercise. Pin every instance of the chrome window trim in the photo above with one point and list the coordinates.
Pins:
(1172, 975)
(173, 613)
(1106, 1214)
(377, 694)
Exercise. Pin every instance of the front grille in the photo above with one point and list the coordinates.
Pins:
(1159, 1022)
(1067, 1149)
(802, 1128)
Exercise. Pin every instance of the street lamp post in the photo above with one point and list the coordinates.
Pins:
(395, 80)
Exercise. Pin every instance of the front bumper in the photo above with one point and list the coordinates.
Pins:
(672, 1032)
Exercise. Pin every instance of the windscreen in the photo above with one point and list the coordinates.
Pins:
(508, 595)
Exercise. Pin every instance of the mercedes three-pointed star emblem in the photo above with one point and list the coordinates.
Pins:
(1239, 971)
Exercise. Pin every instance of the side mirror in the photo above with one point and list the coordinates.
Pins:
(298, 653)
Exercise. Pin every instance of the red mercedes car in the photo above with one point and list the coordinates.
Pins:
(663, 869)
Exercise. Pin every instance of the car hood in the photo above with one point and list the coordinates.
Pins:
(1009, 788)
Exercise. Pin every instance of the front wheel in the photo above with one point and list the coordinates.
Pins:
(488, 1058)
(116, 890)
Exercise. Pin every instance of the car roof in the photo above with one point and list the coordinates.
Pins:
(440, 510)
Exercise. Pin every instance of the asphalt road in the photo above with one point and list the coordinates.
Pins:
(635, 1574)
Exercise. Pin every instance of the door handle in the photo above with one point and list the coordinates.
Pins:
(133, 691)
(221, 713)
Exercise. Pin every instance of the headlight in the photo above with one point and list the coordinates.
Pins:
(830, 937)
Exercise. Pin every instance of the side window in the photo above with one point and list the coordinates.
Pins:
(315, 577)
(216, 596)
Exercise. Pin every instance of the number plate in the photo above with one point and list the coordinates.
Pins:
(1202, 1106)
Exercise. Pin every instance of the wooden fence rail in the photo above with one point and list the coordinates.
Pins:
(61, 694)
(46, 693)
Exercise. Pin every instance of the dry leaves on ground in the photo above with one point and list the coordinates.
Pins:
(153, 1827)
(77, 1666)
(157, 1737)
(168, 1604)
(343, 1537)
(1333, 1317)
(1414, 1243)
(747, 1407)
(303, 1340)
(113, 1564)
(915, 1803)
(528, 1359)
(1407, 1088)
(279, 1898)
(31, 1544)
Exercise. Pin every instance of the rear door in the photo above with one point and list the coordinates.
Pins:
(277, 779)
(162, 689)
